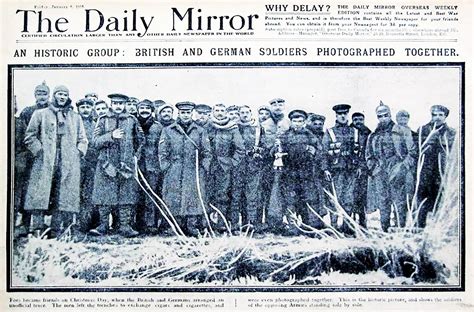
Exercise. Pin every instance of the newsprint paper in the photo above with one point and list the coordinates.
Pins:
(236, 156)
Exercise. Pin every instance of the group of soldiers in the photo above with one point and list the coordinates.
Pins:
(147, 167)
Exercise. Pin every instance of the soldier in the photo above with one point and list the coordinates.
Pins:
(118, 139)
(360, 205)
(183, 145)
(41, 94)
(315, 123)
(246, 186)
(131, 106)
(435, 141)
(89, 218)
(342, 161)
(156, 105)
(402, 120)
(390, 159)
(148, 216)
(100, 109)
(164, 115)
(264, 113)
(233, 113)
(57, 139)
(202, 115)
(42, 101)
(22, 163)
(227, 150)
(266, 182)
(300, 147)
(278, 123)
(274, 128)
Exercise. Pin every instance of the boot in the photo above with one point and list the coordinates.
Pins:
(36, 224)
(103, 228)
(192, 226)
(125, 220)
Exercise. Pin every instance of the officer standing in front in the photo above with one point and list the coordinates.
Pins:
(342, 162)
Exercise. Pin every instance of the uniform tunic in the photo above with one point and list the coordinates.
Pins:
(342, 158)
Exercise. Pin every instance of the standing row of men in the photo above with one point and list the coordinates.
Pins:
(221, 169)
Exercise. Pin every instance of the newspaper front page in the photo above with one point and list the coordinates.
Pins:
(233, 156)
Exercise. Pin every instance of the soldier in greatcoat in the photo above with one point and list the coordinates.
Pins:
(89, 218)
(435, 142)
(118, 138)
(360, 205)
(246, 187)
(202, 113)
(184, 153)
(42, 101)
(100, 109)
(227, 150)
(22, 163)
(148, 217)
(266, 182)
(42, 95)
(390, 158)
(299, 149)
(164, 114)
(131, 106)
(315, 123)
(342, 162)
(57, 139)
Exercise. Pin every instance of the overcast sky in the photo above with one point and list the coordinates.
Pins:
(314, 89)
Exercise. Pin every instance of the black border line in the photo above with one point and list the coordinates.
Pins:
(198, 289)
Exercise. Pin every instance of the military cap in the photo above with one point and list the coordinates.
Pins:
(297, 113)
(382, 108)
(133, 99)
(145, 102)
(93, 94)
(84, 102)
(163, 106)
(264, 107)
(61, 88)
(218, 105)
(441, 108)
(42, 87)
(313, 116)
(117, 97)
(185, 106)
(275, 101)
(232, 108)
(358, 114)
(158, 102)
(403, 113)
(203, 108)
(341, 108)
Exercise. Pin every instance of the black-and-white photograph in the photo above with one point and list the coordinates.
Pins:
(234, 176)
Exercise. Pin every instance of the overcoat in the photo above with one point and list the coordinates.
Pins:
(434, 143)
(177, 153)
(41, 139)
(119, 189)
(390, 160)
